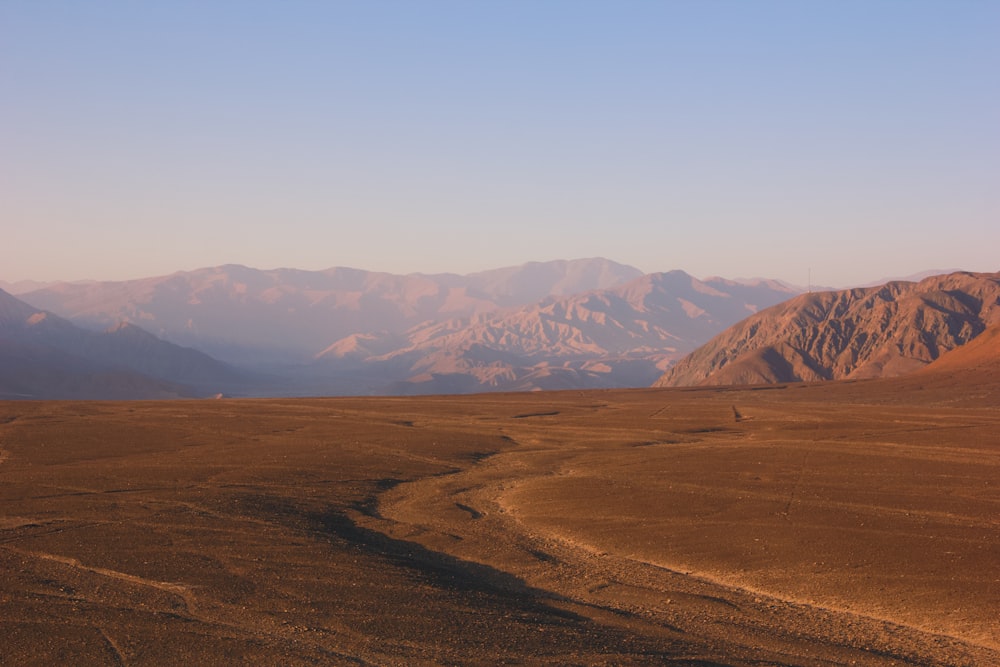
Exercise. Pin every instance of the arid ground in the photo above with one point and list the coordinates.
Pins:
(841, 523)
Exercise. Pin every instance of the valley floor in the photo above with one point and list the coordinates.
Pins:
(789, 525)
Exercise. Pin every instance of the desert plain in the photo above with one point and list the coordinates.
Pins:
(798, 524)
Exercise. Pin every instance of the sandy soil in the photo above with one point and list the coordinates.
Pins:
(832, 524)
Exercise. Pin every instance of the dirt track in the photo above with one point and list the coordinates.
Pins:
(826, 525)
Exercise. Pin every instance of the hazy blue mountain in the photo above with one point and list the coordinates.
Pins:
(287, 315)
(621, 336)
(45, 356)
(542, 325)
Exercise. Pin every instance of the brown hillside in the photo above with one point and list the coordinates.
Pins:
(882, 331)
(982, 354)
(969, 375)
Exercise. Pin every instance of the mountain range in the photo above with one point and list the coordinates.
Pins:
(44, 356)
(246, 315)
(616, 337)
(543, 325)
(568, 324)
(883, 331)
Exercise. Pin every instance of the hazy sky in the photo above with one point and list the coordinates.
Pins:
(855, 138)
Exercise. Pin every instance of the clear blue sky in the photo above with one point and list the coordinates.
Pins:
(856, 138)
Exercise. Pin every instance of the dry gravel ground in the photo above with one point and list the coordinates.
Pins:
(854, 523)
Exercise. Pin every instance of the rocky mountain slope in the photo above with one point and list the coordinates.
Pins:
(882, 331)
(45, 356)
(969, 374)
(981, 355)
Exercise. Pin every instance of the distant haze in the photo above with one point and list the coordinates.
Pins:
(577, 324)
(831, 143)
(554, 325)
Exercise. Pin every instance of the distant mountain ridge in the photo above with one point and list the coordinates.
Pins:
(22, 286)
(586, 323)
(244, 315)
(561, 324)
(620, 336)
(44, 356)
(882, 331)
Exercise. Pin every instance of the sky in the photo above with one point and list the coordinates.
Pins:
(832, 142)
